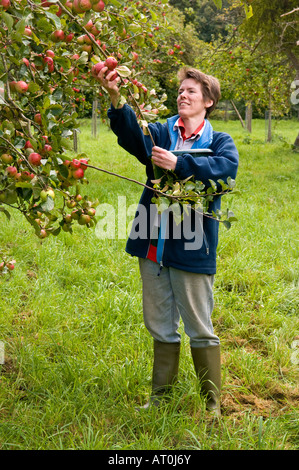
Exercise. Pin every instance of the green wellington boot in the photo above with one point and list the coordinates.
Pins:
(165, 370)
(207, 366)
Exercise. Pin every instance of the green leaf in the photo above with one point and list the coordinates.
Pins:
(213, 185)
(5, 212)
(248, 11)
(44, 25)
(231, 183)
(189, 186)
(20, 26)
(54, 18)
(163, 204)
(218, 3)
(7, 19)
(63, 171)
(227, 224)
(177, 213)
(48, 205)
(123, 71)
(56, 109)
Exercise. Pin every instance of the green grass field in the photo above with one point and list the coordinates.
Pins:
(78, 358)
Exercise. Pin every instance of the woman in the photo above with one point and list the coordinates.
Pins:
(178, 276)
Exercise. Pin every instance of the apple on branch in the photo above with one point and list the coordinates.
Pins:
(35, 159)
(21, 86)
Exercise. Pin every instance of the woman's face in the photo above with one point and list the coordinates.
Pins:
(190, 100)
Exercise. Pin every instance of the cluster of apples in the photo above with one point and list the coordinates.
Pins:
(15, 171)
(82, 6)
(82, 212)
(76, 168)
(111, 64)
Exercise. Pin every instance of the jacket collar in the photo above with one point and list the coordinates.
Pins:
(204, 141)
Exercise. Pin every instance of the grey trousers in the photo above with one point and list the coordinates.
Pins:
(174, 294)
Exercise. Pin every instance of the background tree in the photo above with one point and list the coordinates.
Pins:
(277, 31)
(209, 21)
(252, 76)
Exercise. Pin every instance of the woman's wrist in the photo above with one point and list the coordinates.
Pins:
(115, 100)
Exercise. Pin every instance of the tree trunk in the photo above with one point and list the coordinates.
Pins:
(249, 117)
(75, 137)
(269, 131)
(237, 113)
(94, 118)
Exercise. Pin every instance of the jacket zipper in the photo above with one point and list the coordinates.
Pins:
(160, 268)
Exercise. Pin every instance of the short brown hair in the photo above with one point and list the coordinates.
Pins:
(210, 86)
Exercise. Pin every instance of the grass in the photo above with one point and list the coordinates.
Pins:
(78, 358)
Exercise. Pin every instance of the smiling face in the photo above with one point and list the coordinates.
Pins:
(190, 101)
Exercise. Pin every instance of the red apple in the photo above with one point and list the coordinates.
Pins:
(100, 6)
(85, 5)
(88, 25)
(5, 4)
(50, 53)
(57, 35)
(75, 164)
(69, 37)
(10, 265)
(27, 31)
(78, 174)
(47, 148)
(34, 159)
(111, 62)
(76, 7)
(49, 61)
(97, 68)
(43, 233)
(11, 171)
(83, 162)
(21, 86)
(87, 39)
(38, 118)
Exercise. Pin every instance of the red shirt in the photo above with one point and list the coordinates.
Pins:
(183, 130)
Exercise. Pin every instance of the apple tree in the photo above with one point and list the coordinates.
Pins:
(252, 75)
(49, 52)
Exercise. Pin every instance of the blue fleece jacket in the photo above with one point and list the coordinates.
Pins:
(220, 164)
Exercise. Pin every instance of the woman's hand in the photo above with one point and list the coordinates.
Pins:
(163, 158)
(110, 85)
